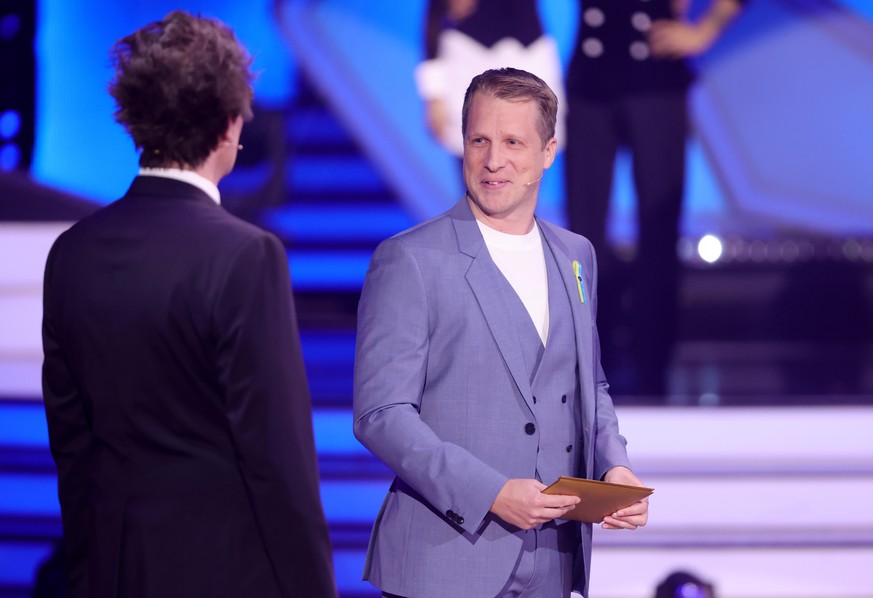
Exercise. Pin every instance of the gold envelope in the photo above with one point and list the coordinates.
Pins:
(599, 499)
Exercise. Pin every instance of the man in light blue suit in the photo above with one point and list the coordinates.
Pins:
(478, 378)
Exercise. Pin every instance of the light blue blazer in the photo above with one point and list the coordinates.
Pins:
(442, 396)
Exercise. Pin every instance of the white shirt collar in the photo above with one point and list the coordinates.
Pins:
(186, 176)
(494, 237)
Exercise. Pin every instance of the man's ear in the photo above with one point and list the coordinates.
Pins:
(232, 132)
(551, 151)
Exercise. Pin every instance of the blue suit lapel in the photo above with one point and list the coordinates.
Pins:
(484, 279)
(582, 327)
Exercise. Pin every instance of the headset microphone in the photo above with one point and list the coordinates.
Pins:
(535, 180)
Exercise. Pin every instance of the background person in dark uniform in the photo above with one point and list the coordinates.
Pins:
(177, 405)
(627, 85)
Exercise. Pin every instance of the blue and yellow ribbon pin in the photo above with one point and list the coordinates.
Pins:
(577, 272)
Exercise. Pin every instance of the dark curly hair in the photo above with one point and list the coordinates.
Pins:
(178, 82)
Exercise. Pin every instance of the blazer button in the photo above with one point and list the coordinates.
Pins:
(564, 399)
(535, 400)
(459, 520)
(530, 429)
(450, 514)
(569, 448)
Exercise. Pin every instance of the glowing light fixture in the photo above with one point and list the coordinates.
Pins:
(709, 248)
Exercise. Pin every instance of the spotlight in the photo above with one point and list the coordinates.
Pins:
(10, 124)
(17, 93)
(10, 26)
(10, 157)
(709, 248)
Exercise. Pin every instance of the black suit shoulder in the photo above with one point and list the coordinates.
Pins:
(171, 214)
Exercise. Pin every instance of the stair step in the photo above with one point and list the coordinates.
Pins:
(315, 129)
(326, 269)
(327, 173)
(336, 223)
(30, 528)
(329, 355)
(349, 173)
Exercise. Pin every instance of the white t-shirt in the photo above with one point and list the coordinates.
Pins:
(521, 260)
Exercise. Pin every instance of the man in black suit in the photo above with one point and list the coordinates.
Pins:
(177, 404)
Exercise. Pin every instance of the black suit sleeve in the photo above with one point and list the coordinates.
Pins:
(268, 408)
(70, 437)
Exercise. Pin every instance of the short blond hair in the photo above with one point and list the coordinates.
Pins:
(515, 85)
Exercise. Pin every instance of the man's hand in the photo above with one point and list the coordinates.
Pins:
(678, 38)
(632, 517)
(523, 504)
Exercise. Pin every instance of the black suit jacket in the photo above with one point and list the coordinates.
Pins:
(177, 405)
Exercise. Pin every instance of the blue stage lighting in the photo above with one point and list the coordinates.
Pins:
(10, 124)
(10, 25)
(10, 156)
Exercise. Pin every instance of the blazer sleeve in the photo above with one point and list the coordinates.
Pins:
(267, 403)
(390, 374)
(70, 435)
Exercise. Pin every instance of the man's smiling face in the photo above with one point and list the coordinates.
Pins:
(504, 157)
